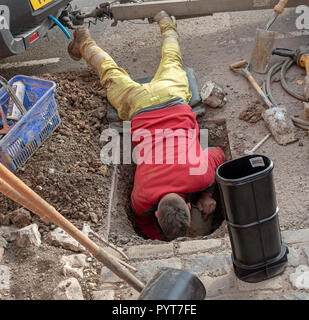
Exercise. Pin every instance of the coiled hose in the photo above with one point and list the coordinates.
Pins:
(284, 67)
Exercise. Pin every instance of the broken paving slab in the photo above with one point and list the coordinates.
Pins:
(75, 260)
(73, 265)
(300, 278)
(211, 265)
(151, 251)
(219, 285)
(189, 247)
(293, 258)
(28, 236)
(60, 238)
(4, 278)
(3, 242)
(271, 284)
(69, 289)
(298, 236)
(7, 232)
(103, 295)
(306, 251)
(147, 269)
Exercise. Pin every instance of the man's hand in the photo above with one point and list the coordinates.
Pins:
(206, 204)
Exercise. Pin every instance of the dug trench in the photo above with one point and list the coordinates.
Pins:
(67, 172)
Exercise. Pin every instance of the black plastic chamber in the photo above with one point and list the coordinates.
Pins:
(173, 284)
(249, 200)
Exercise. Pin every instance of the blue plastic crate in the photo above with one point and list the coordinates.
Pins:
(33, 128)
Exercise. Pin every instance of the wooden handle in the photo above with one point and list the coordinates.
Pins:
(306, 60)
(238, 64)
(279, 8)
(255, 85)
(260, 91)
(24, 193)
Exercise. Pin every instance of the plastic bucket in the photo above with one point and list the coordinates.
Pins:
(248, 194)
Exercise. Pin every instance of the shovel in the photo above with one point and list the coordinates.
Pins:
(276, 118)
(264, 42)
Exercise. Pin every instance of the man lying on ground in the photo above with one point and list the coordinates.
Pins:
(161, 188)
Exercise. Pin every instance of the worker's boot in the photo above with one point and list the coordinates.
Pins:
(167, 25)
(163, 17)
(81, 35)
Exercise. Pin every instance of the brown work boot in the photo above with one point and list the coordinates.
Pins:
(80, 36)
(164, 15)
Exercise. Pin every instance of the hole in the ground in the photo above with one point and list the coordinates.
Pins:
(121, 224)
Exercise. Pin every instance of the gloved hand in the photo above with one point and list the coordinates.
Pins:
(206, 203)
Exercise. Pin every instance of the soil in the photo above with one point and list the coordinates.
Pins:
(253, 114)
(65, 171)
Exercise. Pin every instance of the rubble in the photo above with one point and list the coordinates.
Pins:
(5, 276)
(74, 265)
(1, 253)
(60, 238)
(300, 279)
(69, 289)
(20, 218)
(28, 236)
(3, 242)
(8, 232)
(4, 220)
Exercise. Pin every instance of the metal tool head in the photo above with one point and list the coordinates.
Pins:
(280, 125)
(262, 50)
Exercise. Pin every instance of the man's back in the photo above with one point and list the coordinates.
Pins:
(167, 145)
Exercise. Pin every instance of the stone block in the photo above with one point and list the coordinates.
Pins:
(4, 278)
(60, 238)
(298, 236)
(73, 265)
(75, 260)
(103, 295)
(68, 290)
(147, 269)
(109, 276)
(8, 232)
(211, 265)
(28, 236)
(189, 247)
(271, 284)
(306, 252)
(219, 285)
(151, 251)
(300, 278)
(3, 242)
(293, 258)
(295, 296)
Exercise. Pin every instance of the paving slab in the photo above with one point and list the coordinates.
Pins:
(298, 236)
(189, 247)
(211, 265)
(271, 284)
(151, 251)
